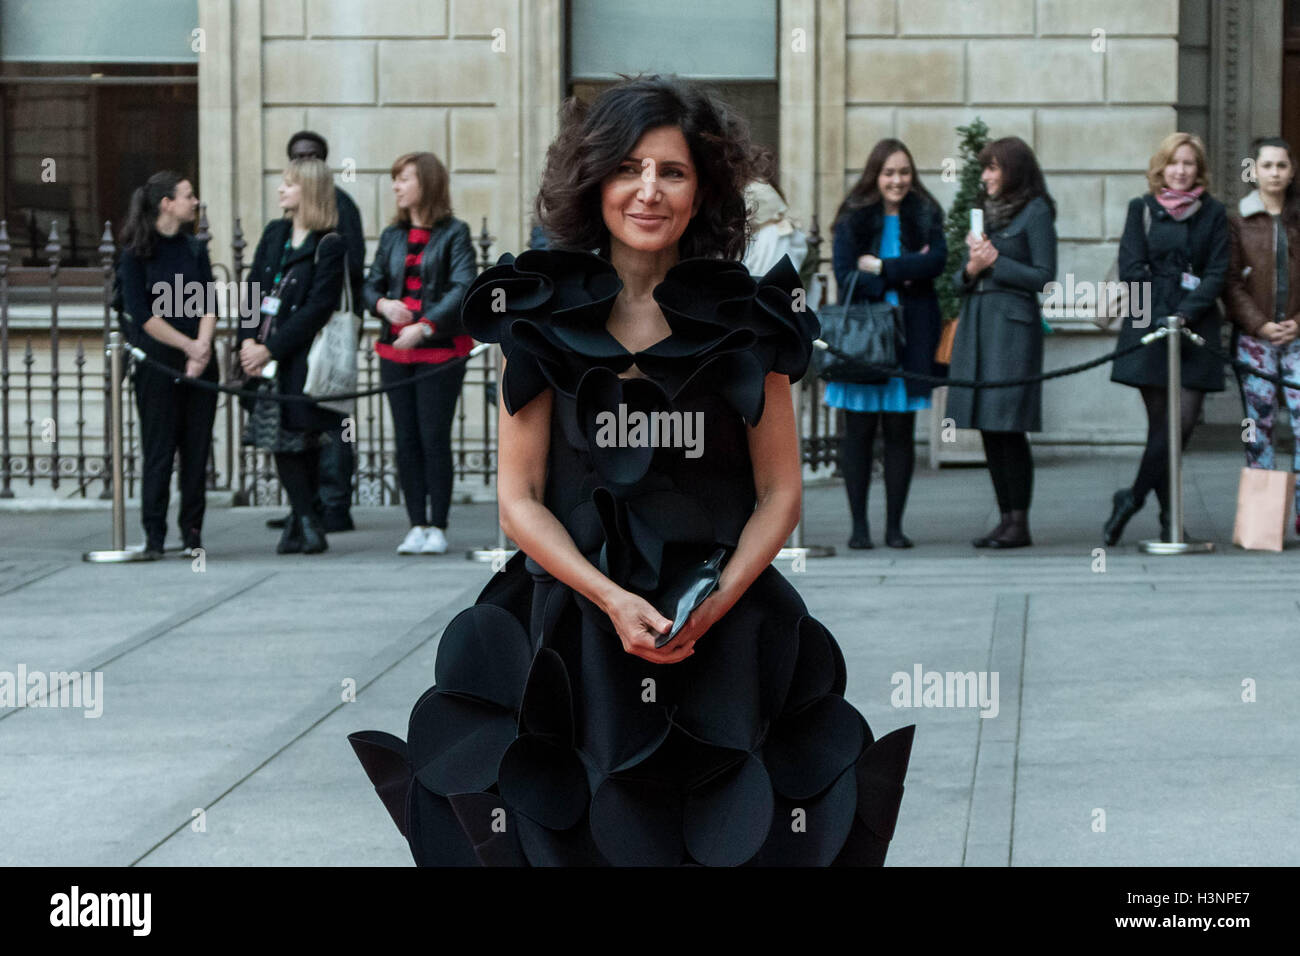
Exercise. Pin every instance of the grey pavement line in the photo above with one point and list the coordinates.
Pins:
(122, 648)
(991, 815)
(32, 579)
(285, 735)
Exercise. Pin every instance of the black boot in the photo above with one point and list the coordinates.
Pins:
(313, 536)
(1124, 506)
(291, 538)
(860, 538)
(983, 541)
(1015, 534)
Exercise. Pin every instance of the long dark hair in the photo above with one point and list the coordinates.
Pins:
(1022, 177)
(1291, 200)
(594, 141)
(866, 191)
(142, 215)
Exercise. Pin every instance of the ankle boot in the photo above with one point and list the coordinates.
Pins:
(983, 541)
(1015, 534)
(313, 535)
(860, 537)
(291, 538)
(1124, 506)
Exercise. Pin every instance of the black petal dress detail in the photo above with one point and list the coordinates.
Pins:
(542, 741)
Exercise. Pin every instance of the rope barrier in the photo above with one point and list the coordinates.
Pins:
(148, 361)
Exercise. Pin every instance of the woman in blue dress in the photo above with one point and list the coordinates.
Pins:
(889, 231)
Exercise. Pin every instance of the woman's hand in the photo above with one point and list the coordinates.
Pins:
(709, 612)
(199, 351)
(982, 255)
(395, 312)
(869, 263)
(409, 337)
(638, 624)
(253, 357)
(1279, 333)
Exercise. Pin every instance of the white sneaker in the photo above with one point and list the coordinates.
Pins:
(435, 542)
(413, 541)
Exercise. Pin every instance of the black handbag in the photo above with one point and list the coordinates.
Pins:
(871, 332)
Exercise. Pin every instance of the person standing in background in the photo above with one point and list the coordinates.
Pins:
(1263, 297)
(1000, 334)
(416, 284)
(1180, 248)
(338, 460)
(889, 232)
(299, 269)
(173, 417)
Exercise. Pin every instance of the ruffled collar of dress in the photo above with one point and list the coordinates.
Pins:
(703, 300)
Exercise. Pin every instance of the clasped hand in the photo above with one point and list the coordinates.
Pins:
(1280, 333)
(253, 356)
(197, 355)
(638, 625)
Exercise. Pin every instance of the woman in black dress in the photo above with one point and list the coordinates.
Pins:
(299, 268)
(558, 731)
(1176, 242)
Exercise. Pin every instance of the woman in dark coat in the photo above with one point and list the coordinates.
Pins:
(889, 233)
(1182, 256)
(1000, 334)
(299, 270)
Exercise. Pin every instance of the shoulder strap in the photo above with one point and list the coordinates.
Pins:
(347, 284)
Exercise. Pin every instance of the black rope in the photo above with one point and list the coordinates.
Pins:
(248, 392)
(1249, 369)
(979, 383)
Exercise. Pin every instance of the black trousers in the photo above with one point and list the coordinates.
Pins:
(173, 418)
(422, 419)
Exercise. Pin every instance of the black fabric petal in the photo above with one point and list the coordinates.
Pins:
(814, 670)
(572, 847)
(384, 759)
(880, 773)
(543, 779)
(727, 819)
(456, 743)
(436, 836)
(812, 832)
(638, 822)
(806, 751)
(484, 654)
(490, 828)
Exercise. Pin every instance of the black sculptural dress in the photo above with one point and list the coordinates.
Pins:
(543, 742)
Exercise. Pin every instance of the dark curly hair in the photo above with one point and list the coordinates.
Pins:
(595, 139)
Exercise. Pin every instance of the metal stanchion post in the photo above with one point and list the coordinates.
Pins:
(119, 552)
(502, 552)
(795, 549)
(1173, 334)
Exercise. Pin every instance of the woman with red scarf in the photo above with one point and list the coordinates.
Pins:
(423, 266)
(1175, 240)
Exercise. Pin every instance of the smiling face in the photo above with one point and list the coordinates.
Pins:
(991, 177)
(1182, 169)
(1274, 170)
(406, 188)
(649, 200)
(895, 179)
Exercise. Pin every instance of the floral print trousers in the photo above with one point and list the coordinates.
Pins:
(1261, 401)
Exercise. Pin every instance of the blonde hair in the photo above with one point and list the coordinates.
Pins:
(1165, 154)
(317, 207)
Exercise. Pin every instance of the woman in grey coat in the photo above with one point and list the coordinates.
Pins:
(1000, 335)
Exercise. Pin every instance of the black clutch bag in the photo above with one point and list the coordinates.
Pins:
(871, 332)
(688, 592)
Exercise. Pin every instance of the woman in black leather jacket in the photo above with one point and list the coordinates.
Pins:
(423, 266)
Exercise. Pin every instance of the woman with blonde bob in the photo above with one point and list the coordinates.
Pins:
(1176, 242)
(298, 268)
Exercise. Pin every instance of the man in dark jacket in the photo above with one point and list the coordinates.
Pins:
(338, 459)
